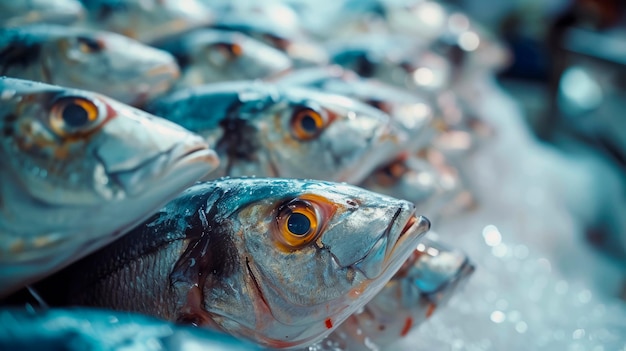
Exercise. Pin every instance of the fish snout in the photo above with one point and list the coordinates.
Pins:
(385, 236)
(140, 151)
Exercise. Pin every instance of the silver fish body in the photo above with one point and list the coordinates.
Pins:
(77, 170)
(80, 329)
(424, 284)
(281, 262)
(108, 63)
(270, 130)
(19, 13)
(211, 55)
(147, 20)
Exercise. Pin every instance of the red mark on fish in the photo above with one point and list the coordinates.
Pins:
(407, 327)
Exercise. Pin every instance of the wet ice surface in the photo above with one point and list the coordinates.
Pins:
(538, 285)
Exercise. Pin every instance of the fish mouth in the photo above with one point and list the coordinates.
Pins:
(394, 246)
(192, 158)
(182, 164)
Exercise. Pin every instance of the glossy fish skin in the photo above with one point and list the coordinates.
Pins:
(108, 63)
(77, 170)
(147, 20)
(99, 330)
(409, 111)
(211, 55)
(425, 282)
(220, 255)
(19, 13)
(259, 129)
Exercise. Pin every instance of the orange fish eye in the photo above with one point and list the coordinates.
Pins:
(229, 51)
(306, 124)
(235, 49)
(298, 223)
(73, 114)
(391, 173)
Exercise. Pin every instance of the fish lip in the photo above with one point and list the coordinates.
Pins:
(414, 224)
(199, 153)
(394, 241)
(196, 158)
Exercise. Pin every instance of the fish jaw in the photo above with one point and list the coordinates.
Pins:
(425, 282)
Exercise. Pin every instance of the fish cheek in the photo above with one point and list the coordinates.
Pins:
(300, 158)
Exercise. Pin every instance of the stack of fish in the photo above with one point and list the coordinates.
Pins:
(98, 205)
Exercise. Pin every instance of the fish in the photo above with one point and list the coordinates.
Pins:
(108, 63)
(78, 170)
(211, 55)
(425, 283)
(398, 60)
(19, 13)
(280, 262)
(79, 329)
(410, 111)
(427, 180)
(275, 24)
(147, 21)
(270, 130)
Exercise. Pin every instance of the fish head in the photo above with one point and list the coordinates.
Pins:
(327, 136)
(217, 55)
(278, 25)
(291, 132)
(109, 63)
(311, 253)
(78, 169)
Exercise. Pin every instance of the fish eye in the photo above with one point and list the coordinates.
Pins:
(229, 50)
(307, 124)
(73, 114)
(297, 223)
(391, 173)
(235, 49)
(89, 45)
